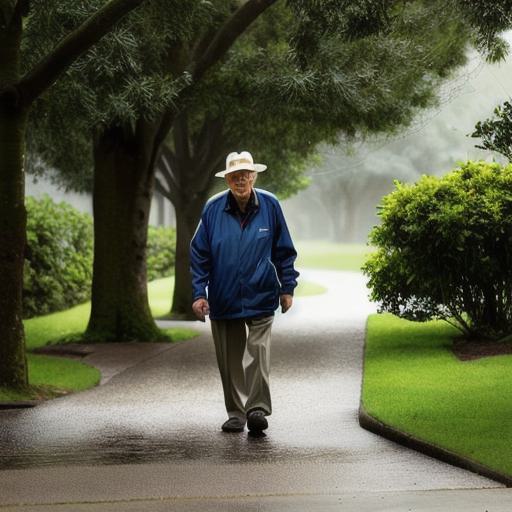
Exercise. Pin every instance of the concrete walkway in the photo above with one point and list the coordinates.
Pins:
(150, 439)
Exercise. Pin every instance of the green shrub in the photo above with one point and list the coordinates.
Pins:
(161, 252)
(445, 250)
(58, 257)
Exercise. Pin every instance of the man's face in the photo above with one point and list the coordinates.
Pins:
(240, 183)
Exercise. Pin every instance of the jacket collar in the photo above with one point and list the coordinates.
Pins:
(231, 205)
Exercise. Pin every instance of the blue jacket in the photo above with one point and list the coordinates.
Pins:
(246, 269)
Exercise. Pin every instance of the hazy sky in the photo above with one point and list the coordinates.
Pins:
(436, 141)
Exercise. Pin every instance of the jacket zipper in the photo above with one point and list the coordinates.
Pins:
(239, 272)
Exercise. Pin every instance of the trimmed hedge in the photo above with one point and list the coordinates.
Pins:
(59, 256)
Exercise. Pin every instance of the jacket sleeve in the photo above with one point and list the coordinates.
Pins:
(284, 254)
(200, 260)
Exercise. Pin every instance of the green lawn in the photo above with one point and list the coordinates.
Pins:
(47, 329)
(53, 376)
(412, 381)
(160, 295)
(331, 256)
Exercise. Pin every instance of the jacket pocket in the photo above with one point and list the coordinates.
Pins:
(268, 280)
(274, 269)
(264, 279)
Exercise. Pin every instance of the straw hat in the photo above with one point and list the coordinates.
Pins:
(238, 162)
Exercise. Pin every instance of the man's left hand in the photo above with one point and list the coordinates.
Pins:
(286, 301)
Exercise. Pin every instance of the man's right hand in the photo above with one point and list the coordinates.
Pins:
(201, 308)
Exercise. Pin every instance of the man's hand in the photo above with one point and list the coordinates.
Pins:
(201, 308)
(286, 302)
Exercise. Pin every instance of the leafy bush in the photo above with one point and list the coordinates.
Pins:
(58, 257)
(161, 252)
(445, 250)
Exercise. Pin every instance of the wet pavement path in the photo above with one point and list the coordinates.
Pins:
(153, 430)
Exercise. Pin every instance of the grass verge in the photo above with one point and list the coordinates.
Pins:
(69, 324)
(50, 377)
(413, 382)
(331, 256)
(55, 376)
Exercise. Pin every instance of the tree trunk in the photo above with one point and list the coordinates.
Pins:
(188, 213)
(122, 194)
(13, 364)
(188, 173)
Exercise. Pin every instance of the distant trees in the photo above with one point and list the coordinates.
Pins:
(364, 170)
(347, 184)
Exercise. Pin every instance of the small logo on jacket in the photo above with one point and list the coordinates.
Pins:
(263, 229)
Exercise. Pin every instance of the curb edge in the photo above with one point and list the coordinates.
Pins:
(374, 425)
(20, 404)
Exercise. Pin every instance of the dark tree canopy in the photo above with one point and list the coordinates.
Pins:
(115, 82)
(486, 19)
(267, 97)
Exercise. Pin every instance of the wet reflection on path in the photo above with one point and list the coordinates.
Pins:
(170, 407)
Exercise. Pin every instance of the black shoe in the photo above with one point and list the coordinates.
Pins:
(234, 424)
(256, 420)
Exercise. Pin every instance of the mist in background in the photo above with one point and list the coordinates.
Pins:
(340, 205)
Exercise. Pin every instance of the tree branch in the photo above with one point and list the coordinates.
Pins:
(182, 139)
(226, 36)
(47, 71)
(170, 157)
(167, 172)
(206, 179)
(213, 147)
(22, 8)
(210, 177)
(212, 132)
(159, 187)
(236, 25)
(12, 10)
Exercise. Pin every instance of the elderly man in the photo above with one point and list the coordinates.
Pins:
(242, 252)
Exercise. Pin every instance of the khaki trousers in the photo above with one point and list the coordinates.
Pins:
(244, 387)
